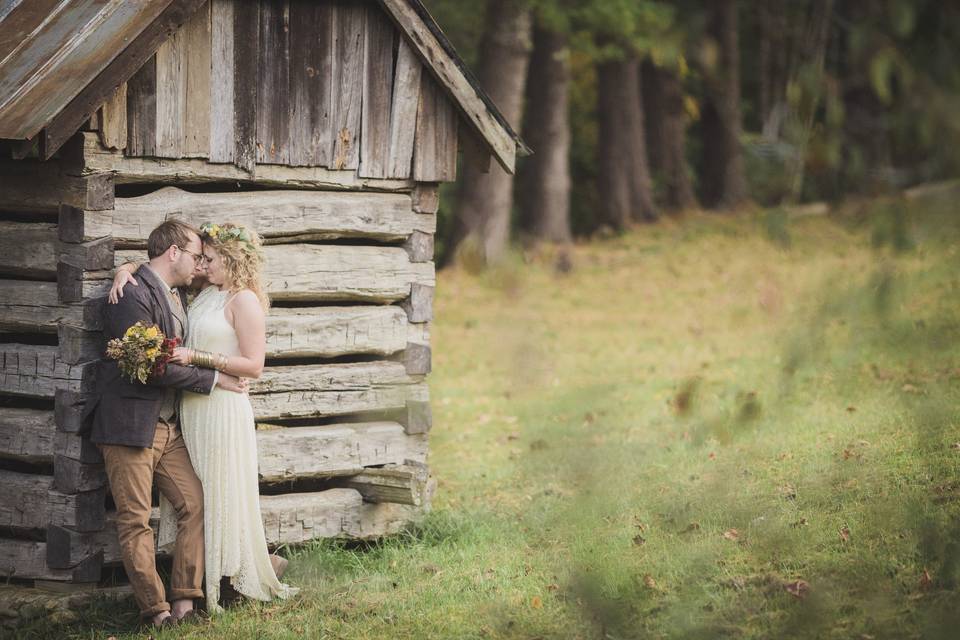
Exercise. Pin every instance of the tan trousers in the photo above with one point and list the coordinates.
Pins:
(131, 472)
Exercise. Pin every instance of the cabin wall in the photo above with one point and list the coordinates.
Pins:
(342, 409)
(301, 83)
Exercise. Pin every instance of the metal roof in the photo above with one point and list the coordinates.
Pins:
(51, 49)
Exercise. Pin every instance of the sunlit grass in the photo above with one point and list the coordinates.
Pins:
(712, 427)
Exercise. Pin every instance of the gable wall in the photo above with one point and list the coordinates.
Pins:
(301, 83)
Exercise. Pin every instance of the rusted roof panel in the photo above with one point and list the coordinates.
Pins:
(51, 49)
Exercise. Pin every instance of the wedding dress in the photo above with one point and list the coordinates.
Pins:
(218, 430)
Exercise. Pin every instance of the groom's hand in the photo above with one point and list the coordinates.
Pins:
(232, 383)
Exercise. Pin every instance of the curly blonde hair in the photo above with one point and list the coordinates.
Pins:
(240, 249)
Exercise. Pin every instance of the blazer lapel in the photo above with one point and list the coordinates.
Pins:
(161, 295)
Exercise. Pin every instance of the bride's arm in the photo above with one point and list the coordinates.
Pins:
(123, 275)
(249, 321)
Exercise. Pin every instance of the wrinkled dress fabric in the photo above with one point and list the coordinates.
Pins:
(219, 432)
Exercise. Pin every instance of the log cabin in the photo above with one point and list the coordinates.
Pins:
(325, 125)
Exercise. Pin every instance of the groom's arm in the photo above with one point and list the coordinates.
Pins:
(133, 308)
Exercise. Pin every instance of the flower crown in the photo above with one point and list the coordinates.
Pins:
(225, 234)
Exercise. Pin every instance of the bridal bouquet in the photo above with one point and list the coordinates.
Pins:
(142, 351)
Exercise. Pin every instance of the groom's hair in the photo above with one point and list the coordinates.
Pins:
(167, 234)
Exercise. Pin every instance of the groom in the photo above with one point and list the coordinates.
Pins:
(136, 428)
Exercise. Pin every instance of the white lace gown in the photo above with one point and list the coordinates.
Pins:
(218, 430)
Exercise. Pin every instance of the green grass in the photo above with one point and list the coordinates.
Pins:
(791, 384)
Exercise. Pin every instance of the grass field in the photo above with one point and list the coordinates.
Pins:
(712, 427)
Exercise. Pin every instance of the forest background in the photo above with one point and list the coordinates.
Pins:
(636, 109)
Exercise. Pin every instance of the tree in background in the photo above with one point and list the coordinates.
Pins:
(485, 202)
(724, 184)
(544, 178)
(621, 32)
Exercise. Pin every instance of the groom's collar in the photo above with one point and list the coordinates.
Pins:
(157, 280)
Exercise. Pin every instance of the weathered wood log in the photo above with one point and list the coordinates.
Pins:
(333, 389)
(276, 215)
(419, 304)
(28, 306)
(30, 501)
(400, 484)
(73, 446)
(68, 409)
(75, 284)
(76, 345)
(419, 246)
(336, 331)
(27, 435)
(419, 417)
(68, 548)
(27, 560)
(31, 435)
(33, 186)
(33, 250)
(303, 272)
(426, 197)
(72, 476)
(28, 249)
(299, 517)
(128, 170)
(416, 358)
(36, 371)
(330, 450)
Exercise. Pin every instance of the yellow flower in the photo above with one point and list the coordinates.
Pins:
(152, 352)
(152, 332)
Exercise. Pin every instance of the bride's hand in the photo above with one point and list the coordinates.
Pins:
(181, 355)
(116, 291)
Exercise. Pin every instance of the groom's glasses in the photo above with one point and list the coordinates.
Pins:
(197, 257)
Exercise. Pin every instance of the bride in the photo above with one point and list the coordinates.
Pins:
(226, 331)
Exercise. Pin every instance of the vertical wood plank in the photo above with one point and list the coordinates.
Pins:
(348, 83)
(379, 37)
(403, 115)
(196, 124)
(435, 142)
(171, 96)
(221, 81)
(113, 119)
(142, 110)
(311, 59)
(246, 45)
(273, 103)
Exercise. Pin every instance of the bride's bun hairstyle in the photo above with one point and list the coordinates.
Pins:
(242, 254)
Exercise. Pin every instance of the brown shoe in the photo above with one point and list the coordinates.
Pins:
(279, 565)
(191, 617)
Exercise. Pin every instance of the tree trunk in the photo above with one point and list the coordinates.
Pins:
(678, 190)
(486, 196)
(723, 157)
(624, 181)
(653, 114)
(544, 178)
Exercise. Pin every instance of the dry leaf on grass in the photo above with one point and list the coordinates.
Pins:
(639, 540)
(926, 581)
(731, 534)
(536, 602)
(797, 588)
(844, 534)
(649, 581)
